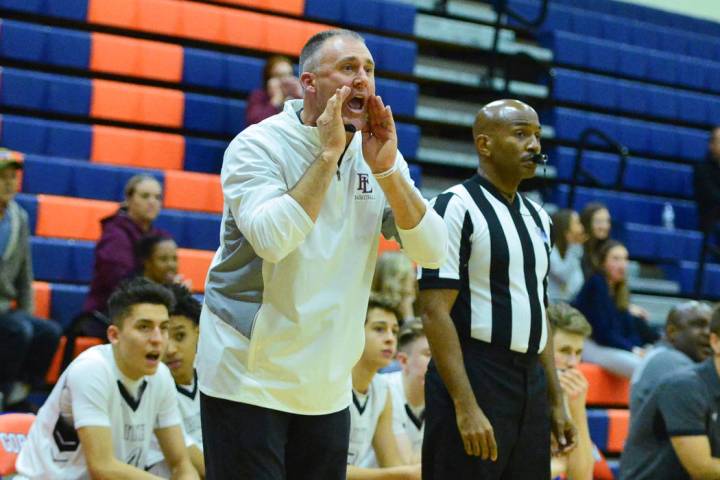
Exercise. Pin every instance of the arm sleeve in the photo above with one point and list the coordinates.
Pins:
(426, 243)
(595, 303)
(683, 405)
(256, 194)
(23, 282)
(90, 384)
(460, 231)
(168, 412)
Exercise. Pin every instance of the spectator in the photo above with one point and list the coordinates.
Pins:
(372, 430)
(100, 416)
(279, 85)
(115, 252)
(180, 359)
(157, 258)
(27, 343)
(619, 332)
(570, 330)
(707, 183)
(408, 388)
(596, 221)
(566, 275)
(674, 434)
(394, 280)
(687, 341)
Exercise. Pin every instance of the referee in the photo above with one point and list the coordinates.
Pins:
(489, 404)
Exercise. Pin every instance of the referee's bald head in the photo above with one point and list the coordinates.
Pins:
(500, 113)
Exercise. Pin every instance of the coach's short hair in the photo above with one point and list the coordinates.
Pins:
(185, 304)
(136, 291)
(312, 46)
(564, 317)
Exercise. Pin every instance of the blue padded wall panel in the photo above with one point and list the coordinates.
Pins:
(66, 302)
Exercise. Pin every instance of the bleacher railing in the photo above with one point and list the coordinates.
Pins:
(502, 13)
(710, 236)
(578, 169)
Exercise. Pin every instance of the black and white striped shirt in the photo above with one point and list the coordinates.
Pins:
(498, 259)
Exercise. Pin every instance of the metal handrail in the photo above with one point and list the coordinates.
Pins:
(578, 169)
(502, 9)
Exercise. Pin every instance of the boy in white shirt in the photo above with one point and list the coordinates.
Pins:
(180, 359)
(100, 416)
(408, 388)
(371, 412)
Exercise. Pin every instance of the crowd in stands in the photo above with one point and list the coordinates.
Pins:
(144, 309)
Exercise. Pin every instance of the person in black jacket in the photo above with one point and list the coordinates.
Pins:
(707, 184)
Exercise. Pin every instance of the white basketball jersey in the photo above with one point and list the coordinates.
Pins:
(365, 411)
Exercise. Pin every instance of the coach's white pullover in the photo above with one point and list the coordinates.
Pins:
(285, 300)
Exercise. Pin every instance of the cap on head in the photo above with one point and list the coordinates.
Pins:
(10, 158)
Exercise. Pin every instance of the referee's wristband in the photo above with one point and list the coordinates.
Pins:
(387, 172)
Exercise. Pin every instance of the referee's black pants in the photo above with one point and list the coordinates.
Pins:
(511, 390)
(247, 442)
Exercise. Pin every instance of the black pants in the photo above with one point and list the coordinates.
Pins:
(243, 441)
(511, 390)
(27, 346)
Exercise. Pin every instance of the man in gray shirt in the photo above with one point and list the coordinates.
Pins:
(675, 434)
(687, 333)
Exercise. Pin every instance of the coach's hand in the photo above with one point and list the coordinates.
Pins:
(379, 136)
(476, 432)
(563, 429)
(330, 123)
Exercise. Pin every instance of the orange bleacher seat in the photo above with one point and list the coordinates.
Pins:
(618, 427)
(81, 344)
(605, 388)
(210, 23)
(292, 7)
(194, 265)
(42, 295)
(387, 246)
(193, 191)
(14, 428)
(75, 218)
(134, 148)
(135, 57)
(137, 103)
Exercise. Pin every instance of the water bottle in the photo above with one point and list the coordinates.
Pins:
(668, 216)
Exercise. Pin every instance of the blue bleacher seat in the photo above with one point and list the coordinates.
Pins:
(243, 73)
(31, 135)
(68, 48)
(30, 204)
(202, 67)
(395, 16)
(202, 155)
(73, 178)
(191, 229)
(60, 260)
(22, 41)
(324, 10)
(408, 139)
(401, 96)
(598, 426)
(214, 114)
(45, 92)
(660, 244)
(685, 273)
(38, 43)
(66, 301)
(387, 15)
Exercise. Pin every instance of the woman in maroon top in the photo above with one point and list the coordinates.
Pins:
(115, 252)
(279, 85)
